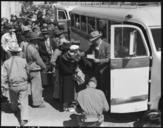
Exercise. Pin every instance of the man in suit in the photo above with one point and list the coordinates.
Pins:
(99, 53)
(46, 48)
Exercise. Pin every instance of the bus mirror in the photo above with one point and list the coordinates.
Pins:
(132, 43)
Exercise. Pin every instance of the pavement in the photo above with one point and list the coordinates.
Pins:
(52, 115)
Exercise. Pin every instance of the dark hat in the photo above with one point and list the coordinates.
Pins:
(59, 33)
(95, 35)
(75, 42)
(61, 27)
(44, 30)
(34, 36)
(55, 22)
(10, 27)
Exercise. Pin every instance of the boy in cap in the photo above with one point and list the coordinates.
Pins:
(93, 103)
(14, 75)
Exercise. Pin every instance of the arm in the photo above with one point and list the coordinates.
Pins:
(38, 59)
(4, 76)
(55, 55)
(105, 103)
(107, 55)
(4, 43)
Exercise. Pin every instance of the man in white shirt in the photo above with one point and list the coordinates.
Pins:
(8, 38)
(93, 103)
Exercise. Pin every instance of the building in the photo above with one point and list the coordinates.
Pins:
(10, 7)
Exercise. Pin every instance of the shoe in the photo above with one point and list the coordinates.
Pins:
(65, 109)
(23, 122)
(42, 105)
(71, 109)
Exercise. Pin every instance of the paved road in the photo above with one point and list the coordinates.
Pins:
(51, 115)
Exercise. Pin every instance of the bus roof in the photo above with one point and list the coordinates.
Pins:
(68, 8)
(146, 15)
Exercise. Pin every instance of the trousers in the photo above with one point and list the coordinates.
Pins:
(19, 99)
(36, 88)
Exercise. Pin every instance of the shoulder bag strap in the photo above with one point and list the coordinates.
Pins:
(27, 52)
(9, 73)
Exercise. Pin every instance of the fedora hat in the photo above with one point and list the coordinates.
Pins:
(95, 35)
(63, 40)
(10, 27)
(14, 47)
(44, 30)
(34, 36)
(75, 42)
(58, 33)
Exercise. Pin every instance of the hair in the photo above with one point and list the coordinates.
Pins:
(15, 53)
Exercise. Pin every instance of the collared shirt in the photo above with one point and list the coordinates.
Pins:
(92, 101)
(7, 39)
(48, 46)
(98, 47)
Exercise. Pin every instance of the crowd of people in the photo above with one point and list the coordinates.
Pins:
(33, 46)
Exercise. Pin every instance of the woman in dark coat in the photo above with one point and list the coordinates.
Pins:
(67, 67)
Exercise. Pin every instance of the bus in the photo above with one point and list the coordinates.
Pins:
(135, 77)
(61, 14)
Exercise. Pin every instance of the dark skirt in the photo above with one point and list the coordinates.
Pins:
(67, 88)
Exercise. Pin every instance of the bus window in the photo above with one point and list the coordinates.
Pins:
(91, 24)
(123, 41)
(61, 15)
(109, 28)
(83, 23)
(101, 27)
(77, 22)
(156, 32)
(72, 20)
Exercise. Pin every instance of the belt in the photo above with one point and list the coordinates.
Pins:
(18, 84)
(93, 118)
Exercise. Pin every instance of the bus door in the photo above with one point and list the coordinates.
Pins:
(63, 20)
(129, 69)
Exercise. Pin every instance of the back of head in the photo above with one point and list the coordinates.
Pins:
(92, 83)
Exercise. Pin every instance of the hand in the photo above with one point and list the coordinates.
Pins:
(97, 60)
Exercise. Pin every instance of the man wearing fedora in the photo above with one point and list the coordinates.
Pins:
(33, 57)
(46, 49)
(100, 53)
(46, 46)
(14, 77)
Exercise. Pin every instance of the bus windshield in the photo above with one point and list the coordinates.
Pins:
(156, 32)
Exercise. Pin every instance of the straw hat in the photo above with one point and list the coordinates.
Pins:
(14, 47)
(95, 35)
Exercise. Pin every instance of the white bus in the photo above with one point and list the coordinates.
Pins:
(134, 34)
(61, 14)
